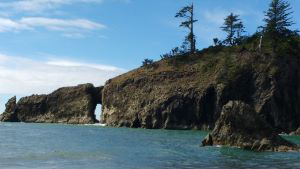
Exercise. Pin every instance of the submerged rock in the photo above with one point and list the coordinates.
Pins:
(240, 126)
(74, 105)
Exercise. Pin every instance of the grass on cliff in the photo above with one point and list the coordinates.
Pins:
(224, 64)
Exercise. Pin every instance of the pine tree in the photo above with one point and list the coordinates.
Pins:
(234, 28)
(188, 13)
(278, 17)
(278, 20)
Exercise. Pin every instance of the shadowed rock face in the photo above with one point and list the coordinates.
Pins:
(74, 105)
(239, 125)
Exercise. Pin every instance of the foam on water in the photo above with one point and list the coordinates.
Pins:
(96, 124)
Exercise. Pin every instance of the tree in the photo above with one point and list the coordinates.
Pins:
(278, 19)
(217, 42)
(234, 28)
(240, 29)
(147, 63)
(188, 13)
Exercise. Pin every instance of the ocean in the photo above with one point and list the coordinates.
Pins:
(58, 146)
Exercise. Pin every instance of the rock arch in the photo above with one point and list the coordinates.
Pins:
(74, 105)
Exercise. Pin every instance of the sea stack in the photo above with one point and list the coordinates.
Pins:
(240, 126)
(9, 114)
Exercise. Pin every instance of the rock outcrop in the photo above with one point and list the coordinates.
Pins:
(9, 114)
(239, 125)
(297, 132)
(74, 105)
(191, 94)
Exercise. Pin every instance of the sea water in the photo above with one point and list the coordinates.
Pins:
(51, 146)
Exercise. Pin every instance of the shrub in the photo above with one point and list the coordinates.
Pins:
(148, 63)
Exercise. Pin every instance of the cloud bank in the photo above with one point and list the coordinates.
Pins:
(23, 76)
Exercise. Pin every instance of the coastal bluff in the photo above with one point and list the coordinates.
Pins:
(189, 92)
(72, 105)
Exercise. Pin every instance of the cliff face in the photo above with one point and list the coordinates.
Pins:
(75, 105)
(239, 125)
(191, 93)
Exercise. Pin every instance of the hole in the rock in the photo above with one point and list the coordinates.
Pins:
(98, 112)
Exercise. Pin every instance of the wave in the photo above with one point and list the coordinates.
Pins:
(96, 124)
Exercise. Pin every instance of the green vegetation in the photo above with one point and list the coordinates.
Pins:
(268, 49)
(234, 28)
(148, 63)
(278, 20)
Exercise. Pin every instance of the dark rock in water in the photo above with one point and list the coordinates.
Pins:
(239, 125)
(10, 106)
(208, 141)
(9, 114)
(74, 105)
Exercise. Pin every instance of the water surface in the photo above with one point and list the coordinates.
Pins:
(50, 146)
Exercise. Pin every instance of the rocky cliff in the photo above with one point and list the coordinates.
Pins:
(189, 92)
(239, 125)
(74, 105)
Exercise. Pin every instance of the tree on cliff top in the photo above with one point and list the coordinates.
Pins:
(234, 27)
(278, 20)
(188, 13)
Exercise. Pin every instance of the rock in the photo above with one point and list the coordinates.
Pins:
(74, 105)
(191, 95)
(10, 106)
(297, 132)
(9, 114)
(240, 126)
(207, 141)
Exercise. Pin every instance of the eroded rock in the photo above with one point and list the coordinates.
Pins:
(74, 105)
(9, 114)
(191, 96)
(240, 126)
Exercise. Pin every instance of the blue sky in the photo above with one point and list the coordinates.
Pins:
(46, 44)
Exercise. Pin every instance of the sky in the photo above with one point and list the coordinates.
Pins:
(47, 44)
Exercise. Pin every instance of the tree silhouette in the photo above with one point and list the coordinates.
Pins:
(234, 27)
(188, 13)
(278, 19)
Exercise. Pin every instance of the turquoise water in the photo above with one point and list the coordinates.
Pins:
(49, 146)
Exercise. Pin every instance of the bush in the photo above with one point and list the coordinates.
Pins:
(148, 63)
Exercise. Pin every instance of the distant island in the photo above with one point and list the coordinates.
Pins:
(256, 76)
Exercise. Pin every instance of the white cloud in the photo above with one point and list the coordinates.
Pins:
(41, 5)
(71, 28)
(8, 25)
(60, 24)
(37, 6)
(23, 76)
